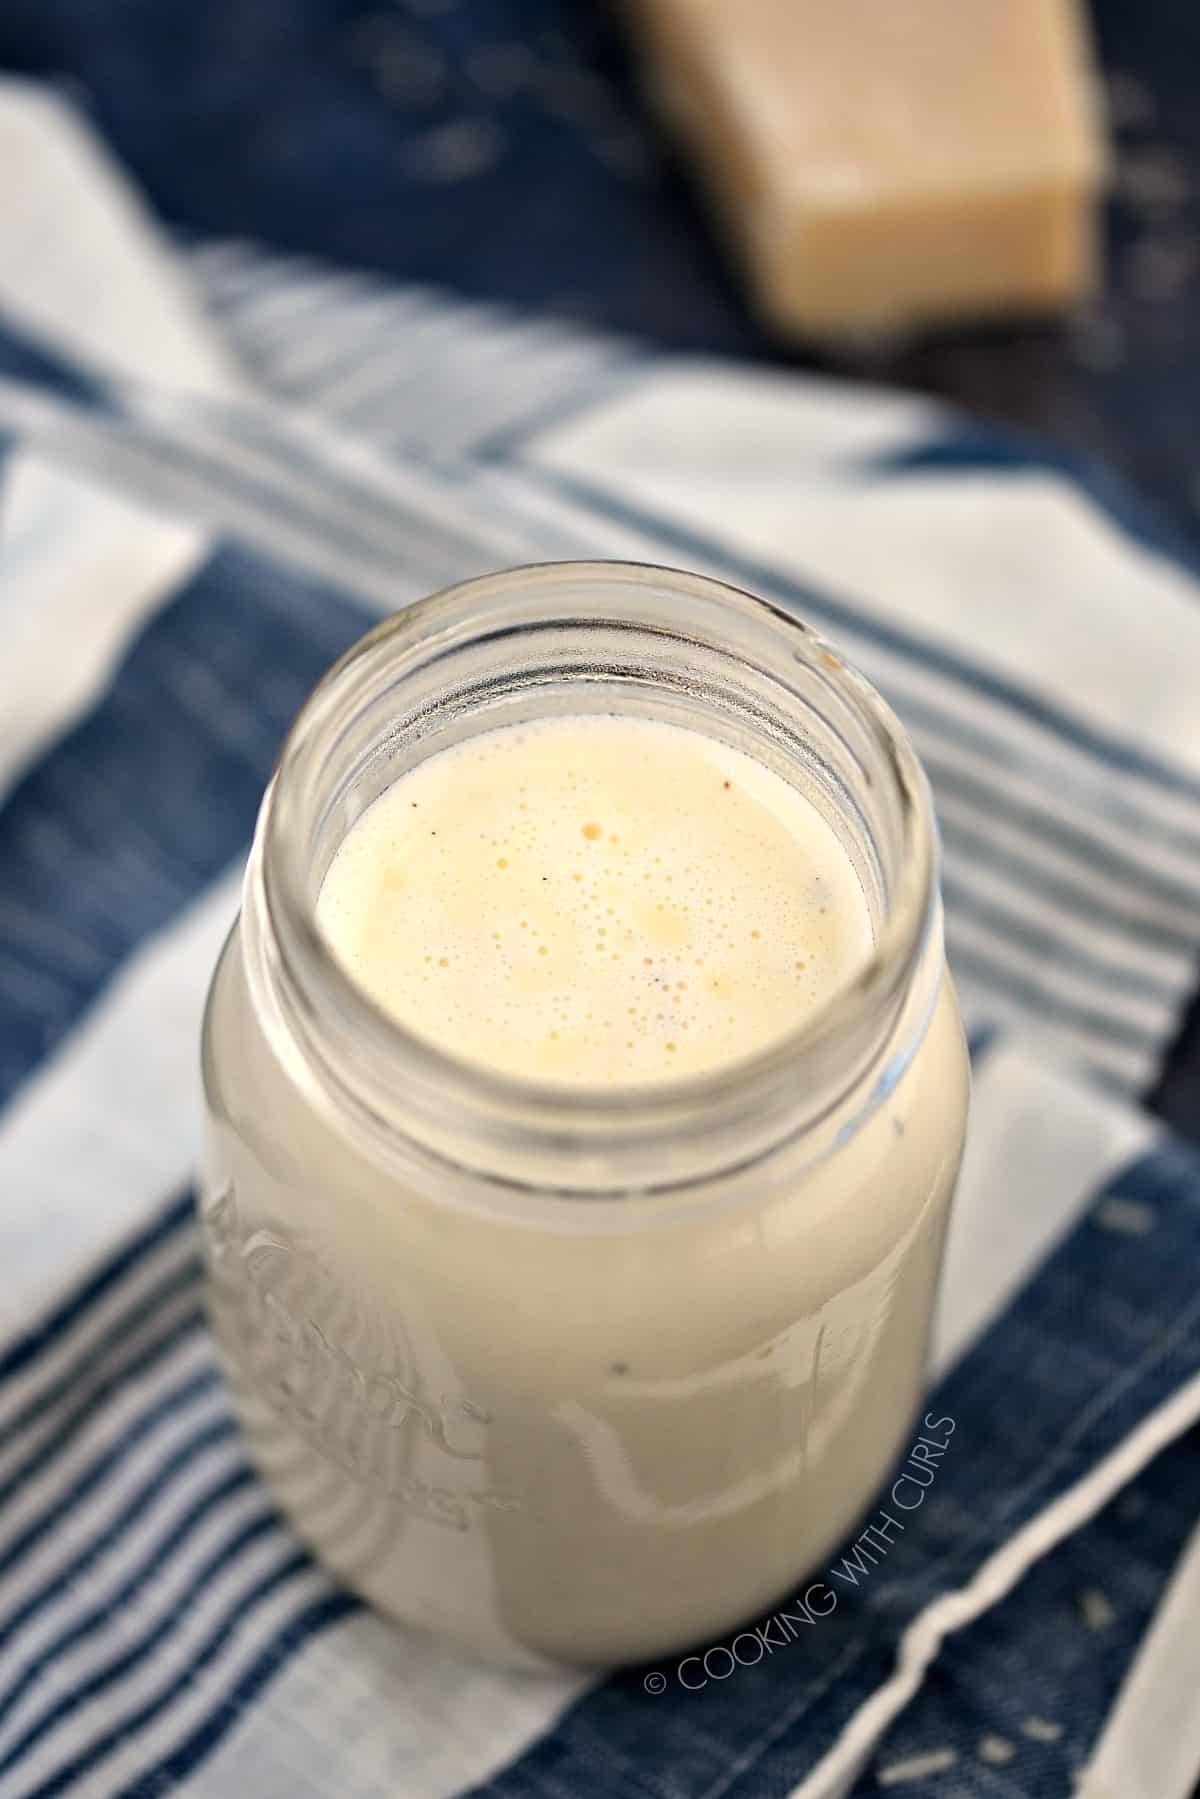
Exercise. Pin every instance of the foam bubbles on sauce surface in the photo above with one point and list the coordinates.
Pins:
(599, 900)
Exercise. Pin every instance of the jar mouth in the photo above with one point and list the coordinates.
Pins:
(375, 1062)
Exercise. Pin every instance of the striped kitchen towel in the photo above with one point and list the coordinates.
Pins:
(218, 467)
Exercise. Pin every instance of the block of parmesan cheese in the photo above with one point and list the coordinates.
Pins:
(886, 165)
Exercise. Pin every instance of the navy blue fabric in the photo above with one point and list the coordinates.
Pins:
(200, 1742)
(219, 1431)
(22, 359)
(294, 1564)
(1038, 1658)
(212, 683)
(76, 1372)
(215, 1497)
(17, 1356)
(966, 448)
(1107, 1328)
(99, 848)
(219, 1563)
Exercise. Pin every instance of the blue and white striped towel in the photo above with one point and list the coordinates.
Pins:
(218, 467)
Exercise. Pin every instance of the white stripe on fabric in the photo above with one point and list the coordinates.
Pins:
(82, 265)
(90, 1376)
(90, 1486)
(1152, 890)
(78, 1165)
(1150, 1747)
(387, 332)
(1124, 1020)
(163, 1270)
(838, 1769)
(298, 310)
(500, 379)
(760, 437)
(1039, 1147)
(767, 421)
(331, 1723)
(989, 1008)
(1036, 935)
(172, 1661)
(202, 1466)
(248, 1515)
(410, 366)
(304, 470)
(225, 267)
(248, 1626)
(1006, 904)
(993, 1000)
(81, 571)
(1014, 571)
(317, 357)
(248, 286)
(324, 505)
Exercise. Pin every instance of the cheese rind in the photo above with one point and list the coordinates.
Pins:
(884, 166)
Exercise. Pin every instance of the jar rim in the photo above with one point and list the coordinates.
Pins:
(564, 1114)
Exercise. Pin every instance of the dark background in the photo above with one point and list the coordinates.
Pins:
(499, 148)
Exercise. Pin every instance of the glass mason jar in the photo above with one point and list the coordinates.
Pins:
(569, 1375)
